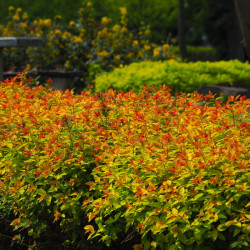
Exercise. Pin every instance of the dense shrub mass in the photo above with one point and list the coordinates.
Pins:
(186, 77)
(171, 169)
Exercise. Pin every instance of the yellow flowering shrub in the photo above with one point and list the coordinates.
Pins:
(105, 20)
(156, 52)
(103, 53)
(147, 47)
(82, 45)
(72, 23)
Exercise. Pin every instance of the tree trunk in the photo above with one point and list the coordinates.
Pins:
(243, 13)
(181, 29)
(234, 35)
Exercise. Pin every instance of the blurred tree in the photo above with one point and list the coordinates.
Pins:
(42, 9)
(208, 22)
(196, 13)
(181, 28)
(243, 12)
(234, 35)
(160, 16)
(222, 29)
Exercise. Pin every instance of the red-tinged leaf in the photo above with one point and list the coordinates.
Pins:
(42, 198)
(139, 193)
(87, 202)
(89, 229)
(74, 194)
(97, 157)
(56, 215)
(16, 222)
(137, 246)
(172, 170)
(91, 216)
(90, 184)
(140, 226)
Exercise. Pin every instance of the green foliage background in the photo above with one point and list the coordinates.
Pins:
(42, 9)
(208, 22)
(160, 15)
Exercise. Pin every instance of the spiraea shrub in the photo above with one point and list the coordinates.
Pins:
(172, 171)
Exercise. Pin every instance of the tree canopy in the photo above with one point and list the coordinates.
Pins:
(207, 22)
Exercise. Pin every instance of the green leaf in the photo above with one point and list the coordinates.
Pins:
(210, 191)
(30, 160)
(182, 238)
(48, 199)
(215, 234)
(247, 215)
(21, 190)
(174, 211)
(222, 227)
(107, 239)
(221, 236)
(182, 191)
(248, 178)
(113, 232)
(220, 137)
(30, 232)
(156, 204)
(173, 247)
(198, 196)
(237, 197)
(245, 243)
(222, 216)
(238, 224)
(117, 216)
(198, 233)
(234, 244)
(110, 220)
(236, 231)
(41, 191)
(74, 236)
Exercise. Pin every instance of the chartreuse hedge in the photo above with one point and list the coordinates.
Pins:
(186, 77)
(84, 170)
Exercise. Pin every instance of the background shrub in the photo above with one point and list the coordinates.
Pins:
(85, 44)
(186, 77)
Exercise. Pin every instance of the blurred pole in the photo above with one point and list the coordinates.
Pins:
(181, 28)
